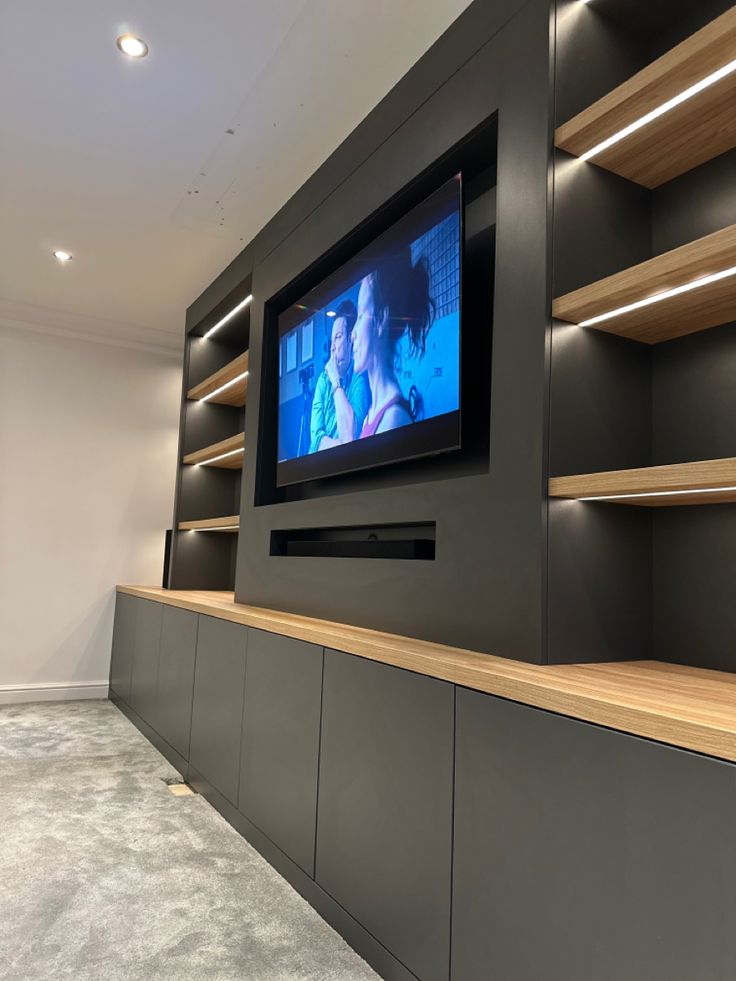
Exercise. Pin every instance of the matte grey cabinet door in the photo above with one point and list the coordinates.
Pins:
(145, 660)
(583, 854)
(123, 644)
(384, 822)
(176, 677)
(280, 751)
(217, 709)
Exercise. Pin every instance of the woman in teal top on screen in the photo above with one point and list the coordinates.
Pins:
(393, 300)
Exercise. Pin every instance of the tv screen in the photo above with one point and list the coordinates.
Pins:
(369, 359)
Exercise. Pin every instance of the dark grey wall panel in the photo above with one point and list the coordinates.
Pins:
(217, 709)
(123, 644)
(207, 356)
(585, 854)
(593, 55)
(694, 397)
(280, 749)
(600, 402)
(385, 806)
(145, 659)
(205, 560)
(600, 582)
(176, 677)
(696, 204)
(694, 576)
(208, 422)
(207, 492)
(500, 546)
(602, 224)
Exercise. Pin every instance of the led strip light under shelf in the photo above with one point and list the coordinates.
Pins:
(224, 387)
(220, 456)
(229, 316)
(666, 107)
(668, 493)
(659, 297)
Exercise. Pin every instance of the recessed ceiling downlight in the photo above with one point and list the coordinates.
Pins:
(62, 256)
(132, 46)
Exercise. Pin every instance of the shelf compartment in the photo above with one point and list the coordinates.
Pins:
(227, 524)
(228, 453)
(703, 482)
(232, 379)
(708, 305)
(698, 129)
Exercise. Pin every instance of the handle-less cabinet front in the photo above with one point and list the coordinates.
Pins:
(280, 752)
(384, 823)
(582, 853)
(123, 644)
(176, 677)
(144, 676)
(217, 707)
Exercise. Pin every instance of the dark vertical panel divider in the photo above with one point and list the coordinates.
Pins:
(217, 706)
(144, 677)
(123, 644)
(385, 806)
(176, 677)
(280, 748)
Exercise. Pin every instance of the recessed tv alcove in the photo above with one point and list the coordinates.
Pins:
(385, 328)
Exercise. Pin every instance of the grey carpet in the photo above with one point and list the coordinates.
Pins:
(106, 876)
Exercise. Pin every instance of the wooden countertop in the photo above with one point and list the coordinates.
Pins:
(692, 708)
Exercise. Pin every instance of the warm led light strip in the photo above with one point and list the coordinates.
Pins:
(223, 387)
(658, 297)
(229, 316)
(217, 528)
(212, 459)
(670, 493)
(661, 110)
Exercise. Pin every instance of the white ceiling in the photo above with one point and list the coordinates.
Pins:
(128, 164)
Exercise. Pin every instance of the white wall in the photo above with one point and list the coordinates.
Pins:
(88, 440)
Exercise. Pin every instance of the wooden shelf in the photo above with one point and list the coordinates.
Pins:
(689, 707)
(685, 313)
(704, 482)
(234, 394)
(228, 524)
(700, 128)
(228, 453)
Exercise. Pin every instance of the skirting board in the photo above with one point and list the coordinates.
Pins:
(65, 691)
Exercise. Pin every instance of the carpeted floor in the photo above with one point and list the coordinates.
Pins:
(106, 876)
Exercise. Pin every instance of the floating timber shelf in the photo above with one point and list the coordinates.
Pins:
(228, 453)
(696, 129)
(653, 320)
(230, 523)
(226, 386)
(704, 482)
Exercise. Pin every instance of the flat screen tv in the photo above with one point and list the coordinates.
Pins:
(369, 359)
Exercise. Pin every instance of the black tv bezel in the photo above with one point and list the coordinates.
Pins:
(437, 436)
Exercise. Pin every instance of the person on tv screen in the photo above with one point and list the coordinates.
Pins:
(393, 300)
(341, 396)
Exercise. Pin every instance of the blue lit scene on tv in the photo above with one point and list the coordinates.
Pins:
(369, 360)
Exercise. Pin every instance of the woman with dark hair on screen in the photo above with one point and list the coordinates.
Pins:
(393, 300)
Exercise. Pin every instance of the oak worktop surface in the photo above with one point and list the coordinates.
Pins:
(692, 708)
